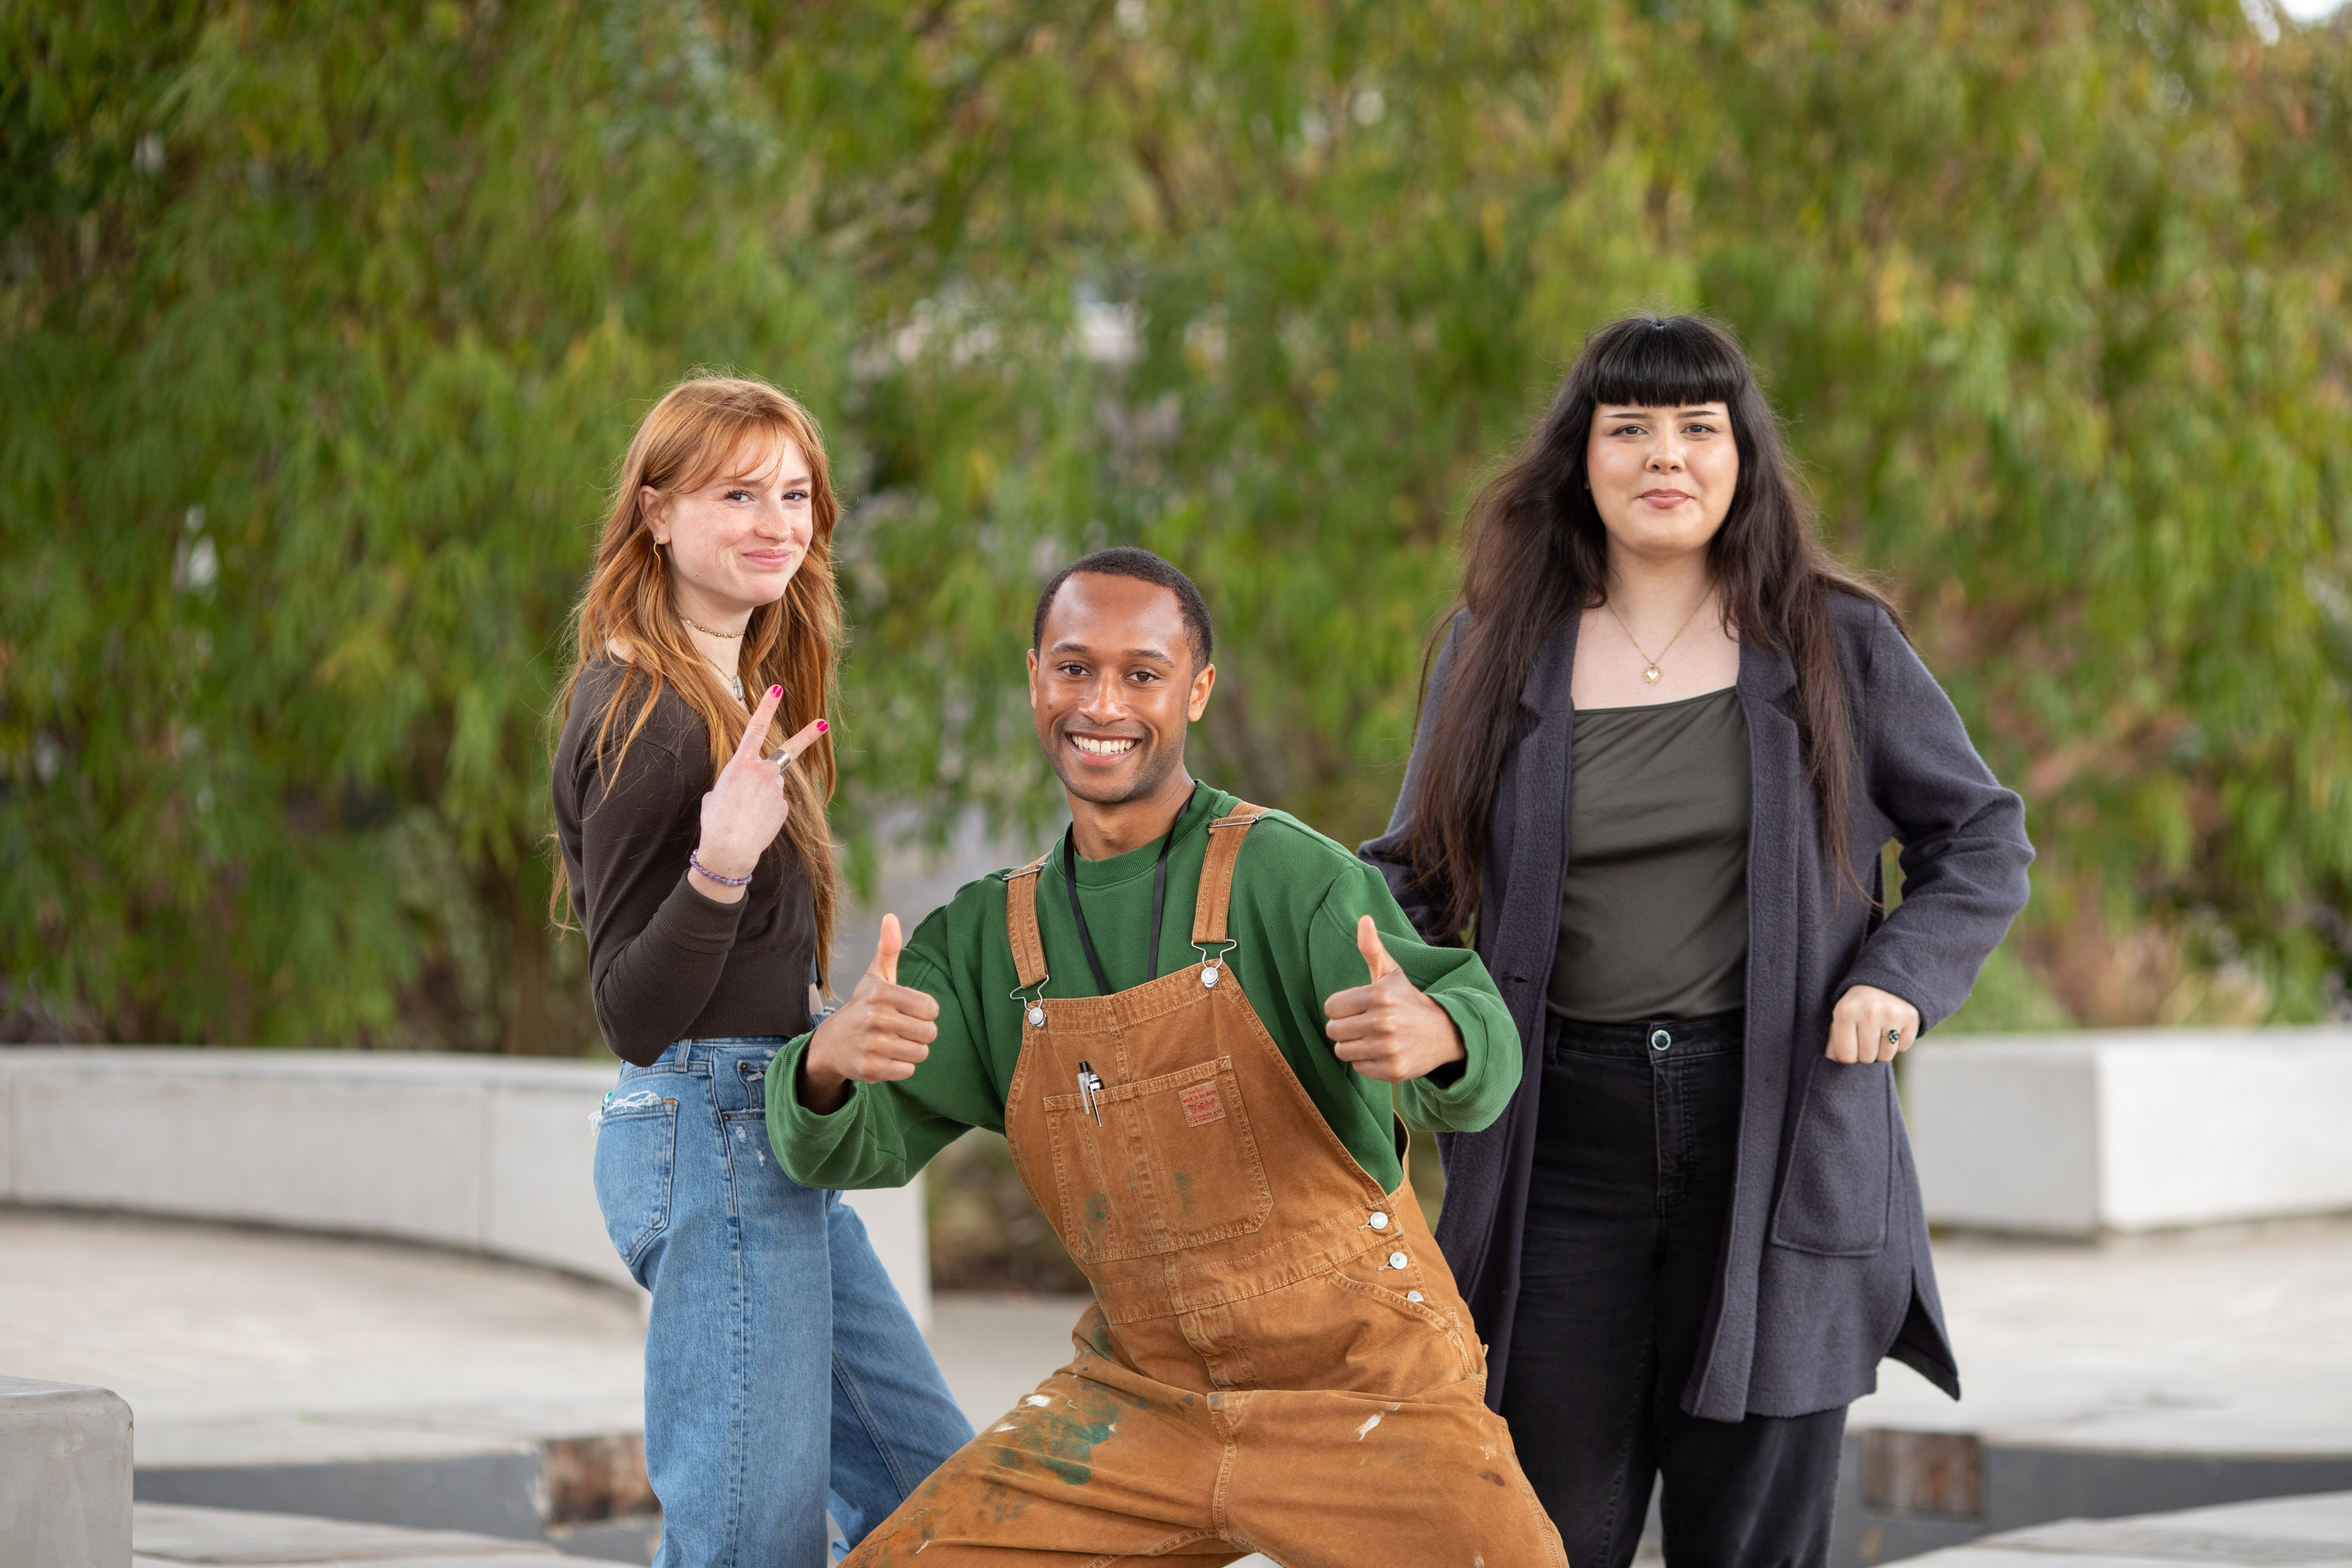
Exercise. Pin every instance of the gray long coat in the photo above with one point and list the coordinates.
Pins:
(1825, 1267)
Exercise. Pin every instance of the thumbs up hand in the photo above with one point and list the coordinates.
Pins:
(1386, 1030)
(878, 1035)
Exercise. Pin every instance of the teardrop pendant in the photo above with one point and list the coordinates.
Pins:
(1651, 675)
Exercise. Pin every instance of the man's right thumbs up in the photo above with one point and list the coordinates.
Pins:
(879, 1036)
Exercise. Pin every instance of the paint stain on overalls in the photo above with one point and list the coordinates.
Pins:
(1276, 1360)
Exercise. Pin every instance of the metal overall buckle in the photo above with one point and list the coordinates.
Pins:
(1212, 968)
(1033, 1008)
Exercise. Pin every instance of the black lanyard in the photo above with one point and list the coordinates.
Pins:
(1158, 895)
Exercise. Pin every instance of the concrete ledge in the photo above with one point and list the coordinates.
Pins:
(169, 1535)
(2099, 1132)
(486, 1494)
(491, 1478)
(65, 1476)
(1902, 1494)
(487, 1153)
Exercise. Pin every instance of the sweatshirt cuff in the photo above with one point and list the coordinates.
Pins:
(804, 1140)
(1456, 1085)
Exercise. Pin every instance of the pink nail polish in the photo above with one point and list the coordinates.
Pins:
(775, 691)
(821, 726)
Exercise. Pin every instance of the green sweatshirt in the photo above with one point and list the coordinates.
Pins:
(1297, 897)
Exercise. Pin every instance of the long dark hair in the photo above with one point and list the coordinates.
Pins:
(1534, 555)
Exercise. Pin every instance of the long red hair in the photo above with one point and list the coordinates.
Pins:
(697, 428)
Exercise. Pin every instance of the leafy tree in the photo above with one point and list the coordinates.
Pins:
(323, 327)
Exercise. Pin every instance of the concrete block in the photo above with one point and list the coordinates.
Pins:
(2004, 1137)
(65, 1476)
(2206, 1130)
(2095, 1131)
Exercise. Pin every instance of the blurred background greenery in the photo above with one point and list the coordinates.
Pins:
(323, 328)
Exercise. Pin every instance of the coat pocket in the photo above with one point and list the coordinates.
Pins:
(1839, 1189)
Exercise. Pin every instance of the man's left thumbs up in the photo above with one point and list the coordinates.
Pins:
(1385, 1028)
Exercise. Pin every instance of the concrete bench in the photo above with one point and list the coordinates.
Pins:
(2100, 1131)
(486, 1153)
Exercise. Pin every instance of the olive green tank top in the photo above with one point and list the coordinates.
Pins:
(1653, 912)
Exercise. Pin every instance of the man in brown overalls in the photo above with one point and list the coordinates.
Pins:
(1277, 1360)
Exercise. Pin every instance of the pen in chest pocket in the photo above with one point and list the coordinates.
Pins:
(1090, 1092)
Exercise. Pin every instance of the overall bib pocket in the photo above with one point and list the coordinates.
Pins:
(1173, 1165)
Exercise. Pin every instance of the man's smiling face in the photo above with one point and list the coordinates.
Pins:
(1113, 681)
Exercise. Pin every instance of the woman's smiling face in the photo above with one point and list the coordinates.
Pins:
(735, 542)
(1662, 478)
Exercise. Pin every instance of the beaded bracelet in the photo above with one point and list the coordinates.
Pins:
(693, 858)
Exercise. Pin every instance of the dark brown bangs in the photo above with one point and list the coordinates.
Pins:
(1651, 362)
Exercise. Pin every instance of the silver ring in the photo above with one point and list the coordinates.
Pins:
(1894, 1037)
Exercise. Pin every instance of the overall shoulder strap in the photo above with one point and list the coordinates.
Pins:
(1215, 898)
(1020, 921)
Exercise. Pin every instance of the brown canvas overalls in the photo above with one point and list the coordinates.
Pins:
(1277, 1361)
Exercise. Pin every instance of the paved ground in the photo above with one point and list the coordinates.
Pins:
(2292, 1533)
(2218, 1342)
(2237, 1341)
(238, 1346)
(259, 1346)
(263, 1348)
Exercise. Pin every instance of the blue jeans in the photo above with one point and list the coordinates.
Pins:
(783, 1371)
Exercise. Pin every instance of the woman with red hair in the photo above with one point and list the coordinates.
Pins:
(783, 1371)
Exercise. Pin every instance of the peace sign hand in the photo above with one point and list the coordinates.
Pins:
(745, 807)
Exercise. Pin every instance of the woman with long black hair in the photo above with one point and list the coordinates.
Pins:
(1662, 742)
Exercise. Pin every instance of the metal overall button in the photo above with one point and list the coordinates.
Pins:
(1660, 1040)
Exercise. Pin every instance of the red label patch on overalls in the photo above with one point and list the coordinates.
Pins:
(1202, 1104)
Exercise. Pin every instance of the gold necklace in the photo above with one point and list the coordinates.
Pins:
(1653, 672)
(706, 631)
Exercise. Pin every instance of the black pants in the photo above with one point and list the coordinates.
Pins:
(1634, 1152)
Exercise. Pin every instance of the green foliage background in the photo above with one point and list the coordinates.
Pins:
(322, 328)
